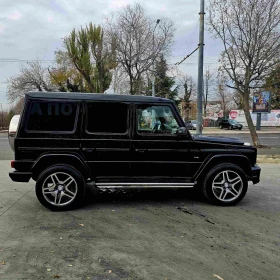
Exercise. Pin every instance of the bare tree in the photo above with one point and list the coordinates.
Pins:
(207, 88)
(120, 81)
(188, 86)
(32, 77)
(223, 94)
(139, 41)
(249, 30)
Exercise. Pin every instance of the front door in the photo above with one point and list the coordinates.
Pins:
(159, 154)
(106, 139)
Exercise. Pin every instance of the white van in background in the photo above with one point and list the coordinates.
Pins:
(13, 130)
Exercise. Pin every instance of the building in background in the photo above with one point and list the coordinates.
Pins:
(267, 119)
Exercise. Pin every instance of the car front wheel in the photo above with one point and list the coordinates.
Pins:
(60, 187)
(225, 184)
(220, 126)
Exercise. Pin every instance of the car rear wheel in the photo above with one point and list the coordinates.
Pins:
(225, 184)
(60, 187)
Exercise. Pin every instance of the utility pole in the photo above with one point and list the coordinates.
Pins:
(153, 66)
(200, 70)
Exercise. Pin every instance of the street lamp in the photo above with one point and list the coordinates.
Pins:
(153, 66)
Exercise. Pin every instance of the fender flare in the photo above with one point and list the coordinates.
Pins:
(49, 159)
(240, 160)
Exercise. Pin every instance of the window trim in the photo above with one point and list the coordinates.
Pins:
(154, 134)
(107, 133)
(52, 131)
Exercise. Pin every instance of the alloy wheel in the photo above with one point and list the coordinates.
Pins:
(60, 189)
(227, 186)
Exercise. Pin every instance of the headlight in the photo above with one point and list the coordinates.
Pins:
(247, 144)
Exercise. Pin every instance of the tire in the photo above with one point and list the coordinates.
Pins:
(230, 127)
(225, 184)
(60, 187)
(220, 126)
(240, 128)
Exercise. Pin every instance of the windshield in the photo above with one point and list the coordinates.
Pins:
(194, 122)
(233, 121)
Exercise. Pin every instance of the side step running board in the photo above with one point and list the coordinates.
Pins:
(145, 185)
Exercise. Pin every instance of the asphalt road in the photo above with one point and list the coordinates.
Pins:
(268, 139)
(148, 234)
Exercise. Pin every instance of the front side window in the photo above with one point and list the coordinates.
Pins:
(156, 119)
(107, 117)
(52, 116)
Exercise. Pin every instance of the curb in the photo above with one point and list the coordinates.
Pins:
(234, 132)
(268, 159)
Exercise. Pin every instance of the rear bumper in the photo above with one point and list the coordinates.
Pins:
(17, 176)
(256, 173)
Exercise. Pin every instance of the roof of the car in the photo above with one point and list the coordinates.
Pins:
(95, 96)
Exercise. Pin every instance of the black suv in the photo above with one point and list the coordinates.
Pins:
(66, 140)
(230, 124)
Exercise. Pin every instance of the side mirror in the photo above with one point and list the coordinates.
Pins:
(182, 131)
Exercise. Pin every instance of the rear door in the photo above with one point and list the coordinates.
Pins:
(106, 139)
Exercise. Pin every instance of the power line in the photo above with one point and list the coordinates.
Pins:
(178, 63)
(26, 60)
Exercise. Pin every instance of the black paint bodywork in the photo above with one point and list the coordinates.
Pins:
(128, 157)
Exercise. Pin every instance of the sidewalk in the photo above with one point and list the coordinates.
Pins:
(216, 130)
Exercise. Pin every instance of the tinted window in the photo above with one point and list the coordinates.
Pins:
(52, 116)
(107, 117)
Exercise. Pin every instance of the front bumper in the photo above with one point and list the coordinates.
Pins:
(17, 176)
(256, 172)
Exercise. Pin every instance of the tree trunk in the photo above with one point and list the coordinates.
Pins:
(101, 77)
(206, 97)
(251, 126)
(91, 87)
(131, 84)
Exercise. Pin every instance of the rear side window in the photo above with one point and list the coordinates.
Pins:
(107, 117)
(52, 117)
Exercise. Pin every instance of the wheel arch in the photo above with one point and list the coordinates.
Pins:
(239, 160)
(48, 160)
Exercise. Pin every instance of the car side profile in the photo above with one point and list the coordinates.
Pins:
(230, 124)
(65, 141)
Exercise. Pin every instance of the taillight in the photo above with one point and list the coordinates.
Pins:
(12, 163)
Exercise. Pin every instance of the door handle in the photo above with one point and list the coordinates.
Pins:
(141, 150)
(87, 150)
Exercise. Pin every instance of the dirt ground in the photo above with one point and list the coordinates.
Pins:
(141, 234)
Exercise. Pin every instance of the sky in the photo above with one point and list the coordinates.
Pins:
(33, 29)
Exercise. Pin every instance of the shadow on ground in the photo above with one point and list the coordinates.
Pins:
(127, 196)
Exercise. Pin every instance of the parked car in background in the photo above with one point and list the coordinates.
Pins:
(230, 124)
(191, 125)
